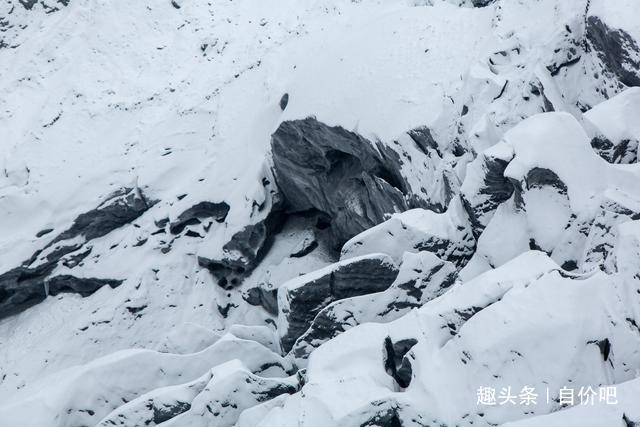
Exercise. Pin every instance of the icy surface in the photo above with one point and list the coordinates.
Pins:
(156, 268)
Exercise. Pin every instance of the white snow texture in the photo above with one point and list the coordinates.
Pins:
(319, 213)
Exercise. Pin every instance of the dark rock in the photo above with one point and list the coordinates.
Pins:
(284, 101)
(24, 286)
(191, 233)
(336, 172)
(43, 232)
(618, 51)
(251, 243)
(629, 422)
(161, 223)
(482, 3)
(261, 296)
(28, 4)
(74, 259)
(555, 68)
(386, 413)
(625, 151)
(604, 346)
(197, 212)
(542, 177)
(121, 208)
(422, 277)
(396, 362)
(602, 234)
(305, 247)
(424, 140)
(301, 299)
(84, 286)
(480, 203)
(570, 265)
(387, 418)
(166, 412)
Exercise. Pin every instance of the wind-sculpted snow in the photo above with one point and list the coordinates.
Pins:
(324, 214)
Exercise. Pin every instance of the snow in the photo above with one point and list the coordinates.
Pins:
(616, 118)
(179, 102)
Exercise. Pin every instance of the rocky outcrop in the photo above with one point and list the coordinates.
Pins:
(336, 172)
(245, 249)
(195, 214)
(486, 188)
(79, 285)
(24, 286)
(262, 296)
(625, 151)
(618, 51)
(120, 208)
(302, 298)
(396, 362)
(422, 277)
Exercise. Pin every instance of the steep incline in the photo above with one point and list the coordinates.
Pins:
(322, 213)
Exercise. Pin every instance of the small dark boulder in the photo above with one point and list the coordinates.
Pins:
(192, 216)
(284, 101)
(262, 296)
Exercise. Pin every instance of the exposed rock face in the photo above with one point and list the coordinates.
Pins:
(121, 208)
(486, 189)
(195, 214)
(422, 277)
(616, 49)
(302, 298)
(267, 298)
(396, 362)
(244, 250)
(78, 285)
(25, 285)
(470, 241)
(625, 151)
(336, 172)
(22, 287)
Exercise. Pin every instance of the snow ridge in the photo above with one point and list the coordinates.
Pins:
(327, 213)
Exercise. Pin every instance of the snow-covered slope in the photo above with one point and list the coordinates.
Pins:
(318, 213)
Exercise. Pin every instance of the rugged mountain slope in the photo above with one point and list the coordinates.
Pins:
(322, 213)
